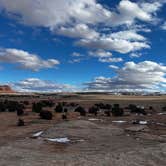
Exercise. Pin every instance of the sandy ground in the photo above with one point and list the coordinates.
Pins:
(94, 141)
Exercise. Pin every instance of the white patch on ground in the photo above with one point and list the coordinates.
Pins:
(143, 122)
(38, 134)
(118, 121)
(162, 113)
(93, 119)
(59, 140)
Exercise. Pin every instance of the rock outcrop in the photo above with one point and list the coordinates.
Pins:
(6, 89)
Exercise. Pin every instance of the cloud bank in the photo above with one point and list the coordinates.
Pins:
(146, 75)
(26, 60)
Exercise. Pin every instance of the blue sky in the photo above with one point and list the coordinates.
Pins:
(83, 45)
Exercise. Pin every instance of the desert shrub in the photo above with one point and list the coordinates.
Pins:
(93, 110)
(107, 113)
(164, 108)
(20, 112)
(20, 122)
(37, 107)
(151, 108)
(13, 106)
(116, 111)
(64, 117)
(65, 110)
(46, 103)
(26, 102)
(73, 104)
(137, 109)
(116, 106)
(100, 105)
(2, 107)
(108, 106)
(59, 108)
(47, 115)
(81, 110)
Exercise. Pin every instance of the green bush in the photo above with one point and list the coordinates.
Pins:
(37, 107)
(81, 110)
(59, 108)
(47, 115)
(116, 111)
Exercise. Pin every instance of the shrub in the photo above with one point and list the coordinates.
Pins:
(116, 105)
(65, 110)
(47, 115)
(100, 105)
(64, 117)
(59, 108)
(108, 106)
(116, 111)
(81, 110)
(37, 107)
(26, 102)
(137, 109)
(151, 108)
(93, 110)
(20, 122)
(164, 108)
(107, 113)
(2, 107)
(20, 112)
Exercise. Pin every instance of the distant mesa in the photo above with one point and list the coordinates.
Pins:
(6, 89)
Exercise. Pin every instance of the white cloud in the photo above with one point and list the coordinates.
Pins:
(52, 13)
(76, 54)
(109, 60)
(128, 12)
(123, 44)
(130, 35)
(38, 85)
(75, 61)
(146, 75)
(164, 26)
(113, 67)
(100, 54)
(78, 31)
(135, 55)
(77, 19)
(25, 60)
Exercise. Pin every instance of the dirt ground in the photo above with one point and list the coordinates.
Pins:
(94, 141)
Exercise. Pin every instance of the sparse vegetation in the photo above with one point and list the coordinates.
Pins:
(117, 111)
(37, 107)
(93, 110)
(137, 109)
(59, 108)
(47, 115)
(81, 110)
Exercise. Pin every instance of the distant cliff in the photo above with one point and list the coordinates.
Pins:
(6, 89)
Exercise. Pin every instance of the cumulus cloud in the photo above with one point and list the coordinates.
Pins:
(75, 60)
(76, 54)
(146, 75)
(122, 42)
(52, 13)
(38, 85)
(135, 55)
(77, 19)
(25, 60)
(78, 31)
(164, 26)
(109, 60)
(128, 12)
(113, 67)
(100, 54)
